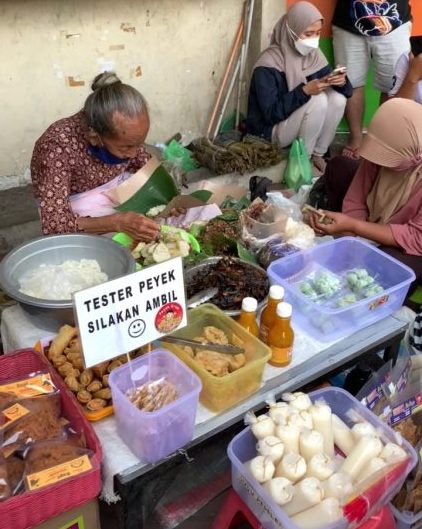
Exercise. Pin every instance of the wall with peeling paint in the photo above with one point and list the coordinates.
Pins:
(174, 52)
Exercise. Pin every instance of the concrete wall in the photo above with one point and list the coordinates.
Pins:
(173, 51)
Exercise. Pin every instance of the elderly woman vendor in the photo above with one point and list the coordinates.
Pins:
(79, 158)
(384, 200)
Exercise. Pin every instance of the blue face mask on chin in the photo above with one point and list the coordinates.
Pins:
(103, 154)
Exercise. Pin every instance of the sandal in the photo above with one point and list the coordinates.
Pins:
(350, 152)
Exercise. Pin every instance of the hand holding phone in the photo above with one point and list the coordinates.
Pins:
(339, 70)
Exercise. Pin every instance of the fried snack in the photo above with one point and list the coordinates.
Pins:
(15, 468)
(74, 347)
(96, 404)
(5, 489)
(76, 360)
(58, 361)
(152, 396)
(72, 383)
(60, 342)
(47, 455)
(94, 386)
(214, 335)
(84, 396)
(104, 393)
(235, 361)
(200, 339)
(113, 365)
(65, 369)
(213, 362)
(238, 342)
(100, 369)
(86, 377)
(104, 380)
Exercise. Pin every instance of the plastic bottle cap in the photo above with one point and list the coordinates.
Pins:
(284, 310)
(249, 304)
(276, 292)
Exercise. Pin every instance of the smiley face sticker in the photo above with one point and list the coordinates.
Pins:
(136, 328)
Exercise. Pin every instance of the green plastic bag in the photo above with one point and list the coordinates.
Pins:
(298, 171)
(174, 152)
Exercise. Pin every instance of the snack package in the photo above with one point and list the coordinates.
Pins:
(274, 249)
(5, 489)
(51, 461)
(153, 395)
(31, 419)
(39, 383)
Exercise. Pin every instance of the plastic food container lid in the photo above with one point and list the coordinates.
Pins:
(284, 310)
(249, 304)
(276, 292)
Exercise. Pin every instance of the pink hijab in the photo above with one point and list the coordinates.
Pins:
(282, 54)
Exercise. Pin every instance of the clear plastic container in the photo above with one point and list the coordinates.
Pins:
(154, 435)
(219, 393)
(324, 321)
(243, 448)
(407, 520)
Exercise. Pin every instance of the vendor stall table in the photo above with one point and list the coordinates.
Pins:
(164, 494)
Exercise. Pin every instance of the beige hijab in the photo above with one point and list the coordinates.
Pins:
(282, 54)
(394, 142)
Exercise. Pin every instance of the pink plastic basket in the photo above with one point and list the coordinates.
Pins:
(32, 508)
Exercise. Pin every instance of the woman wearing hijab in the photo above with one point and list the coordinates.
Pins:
(384, 200)
(293, 92)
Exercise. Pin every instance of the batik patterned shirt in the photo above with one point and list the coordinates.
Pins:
(62, 165)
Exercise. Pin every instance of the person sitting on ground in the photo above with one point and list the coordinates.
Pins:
(368, 33)
(81, 156)
(293, 92)
(383, 199)
(408, 76)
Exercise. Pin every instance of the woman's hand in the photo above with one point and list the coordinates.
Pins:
(340, 223)
(316, 86)
(137, 226)
(337, 80)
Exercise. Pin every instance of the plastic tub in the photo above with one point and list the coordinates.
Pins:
(326, 322)
(154, 435)
(407, 520)
(219, 393)
(243, 448)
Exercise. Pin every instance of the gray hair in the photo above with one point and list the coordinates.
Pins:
(109, 95)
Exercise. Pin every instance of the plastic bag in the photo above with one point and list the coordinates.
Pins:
(5, 489)
(179, 155)
(153, 395)
(298, 171)
(274, 249)
(286, 205)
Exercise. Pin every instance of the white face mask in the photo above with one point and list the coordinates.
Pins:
(305, 46)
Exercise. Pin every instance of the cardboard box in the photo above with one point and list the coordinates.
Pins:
(85, 516)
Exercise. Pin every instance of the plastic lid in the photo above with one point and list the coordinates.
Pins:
(284, 310)
(276, 292)
(249, 304)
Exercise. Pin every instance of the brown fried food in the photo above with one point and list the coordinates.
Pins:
(235, 361)
(84, 396)
(189, 351)
(104, 393)
(72, 383)
(213, 362)
(74, 347)
(238, 342)
(114, 365)
(153, 395)
(215, 335)
(47, 455)
(100, 369)
(61, 341)
(65, 369)
(76, 360)
(104, 380)
(96, 404)
(58, 361)
(86, 377)
(94, 386)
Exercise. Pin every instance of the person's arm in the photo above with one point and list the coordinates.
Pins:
(354, 204)
(276, 106)
(409, 86)
(52, 188)
(340, 83)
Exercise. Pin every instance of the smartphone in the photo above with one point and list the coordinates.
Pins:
(416, 45)
(338, 71)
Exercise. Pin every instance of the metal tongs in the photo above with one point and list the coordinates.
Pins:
(220, 348)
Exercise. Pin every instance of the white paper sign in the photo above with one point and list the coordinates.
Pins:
(131, 311)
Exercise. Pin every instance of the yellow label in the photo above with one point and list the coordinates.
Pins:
(30, 387)
(13, 413)
(281, 355)
(58, 473)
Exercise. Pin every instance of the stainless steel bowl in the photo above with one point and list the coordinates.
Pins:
(114, 260)
(192, 271)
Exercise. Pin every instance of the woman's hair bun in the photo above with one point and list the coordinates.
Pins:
(104, 79)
